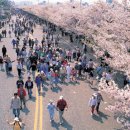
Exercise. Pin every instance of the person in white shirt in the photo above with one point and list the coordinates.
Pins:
(93, 103)
(51, 109)
(15, 105)
(68, 71)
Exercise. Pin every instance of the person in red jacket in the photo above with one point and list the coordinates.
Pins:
(22, 95)
(61, 106)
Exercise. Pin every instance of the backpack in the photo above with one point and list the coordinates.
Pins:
(17, 126)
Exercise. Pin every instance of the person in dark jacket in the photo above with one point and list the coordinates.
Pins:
(17, 51)
(4, 50)
(29, 86)
(61, 106)
(22, 95)
(19, 83)
(0, 37)
(1, 63)
(33, 68)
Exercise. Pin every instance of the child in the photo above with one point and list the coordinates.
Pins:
(17, 124)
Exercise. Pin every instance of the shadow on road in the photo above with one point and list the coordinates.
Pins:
(47, 84)
(3, 70)
(101, 114)
(74, 83)
(45, 88)
(43, 94)
(55, 125)
(65, 125)
(33, 99)
(10, 75)
(25, 110)
(95, 89)
(100, 118)
(56, 89)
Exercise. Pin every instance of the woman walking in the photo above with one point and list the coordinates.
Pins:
(93, 103)
(51, 109)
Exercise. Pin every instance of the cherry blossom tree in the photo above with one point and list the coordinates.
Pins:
(107, 24)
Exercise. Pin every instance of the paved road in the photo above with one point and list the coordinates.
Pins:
(36, 117)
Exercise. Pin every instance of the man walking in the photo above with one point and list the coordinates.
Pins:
(29, 86)
(19, 83)
(0, 37)
(99, 99)
(22, 94)
(19, 69)
(33, 67)
(61, 106)
(4, 50)
(15, 105)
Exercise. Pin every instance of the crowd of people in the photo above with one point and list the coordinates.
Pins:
(46, 62)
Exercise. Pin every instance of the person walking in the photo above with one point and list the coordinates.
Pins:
(62, 74)
(68, 71)
(0, 37)
(38, 82)
(4, 51)
(14, 43)
(73, 74)
(19, 83)
(29, 86)
(17, 51)
(1, 63)
(17, 124)
(100, 70)
(5, 33)
(22, 95)
(50, 78)
(9, 32)
(33, 67)
(43, 78)
(61, 106)
(7, 60)
(15, 105)
(108, 77)
(19, 69)
(93, 103)
(51, 109)
(99, 99)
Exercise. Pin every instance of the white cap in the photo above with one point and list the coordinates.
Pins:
(51, 101)
(61, 97)
(16, 119)
(42, 72)
(95, 94)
